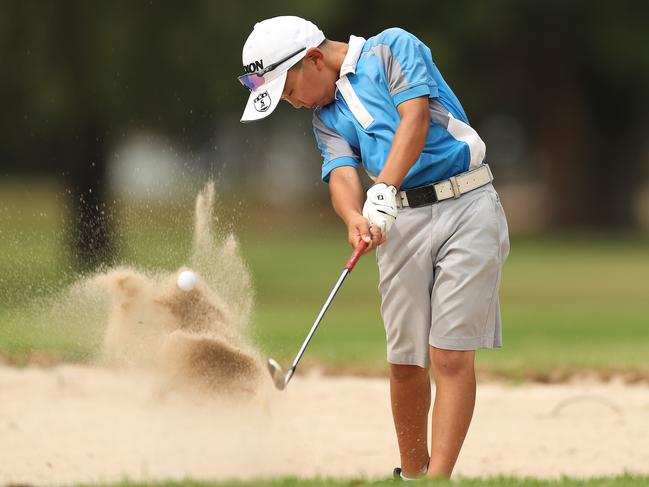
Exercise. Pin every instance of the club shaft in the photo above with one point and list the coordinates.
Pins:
(317, 321)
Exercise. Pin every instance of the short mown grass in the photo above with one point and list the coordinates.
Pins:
(618, 481)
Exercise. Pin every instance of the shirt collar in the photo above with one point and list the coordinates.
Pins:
(353, 53)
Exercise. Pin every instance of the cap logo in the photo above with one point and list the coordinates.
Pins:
(262, 102)
(254, 67)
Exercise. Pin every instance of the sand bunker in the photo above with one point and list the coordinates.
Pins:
(177, 391)
(73, 424)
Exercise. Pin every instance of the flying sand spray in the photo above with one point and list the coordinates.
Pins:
(191, 325)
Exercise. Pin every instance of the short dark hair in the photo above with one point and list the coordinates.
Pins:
(299, 64)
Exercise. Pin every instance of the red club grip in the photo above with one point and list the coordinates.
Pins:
(358, 251)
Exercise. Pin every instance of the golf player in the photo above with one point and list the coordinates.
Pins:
(432, 214)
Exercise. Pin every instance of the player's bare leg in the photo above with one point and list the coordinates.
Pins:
(410, 397)
(454, 375)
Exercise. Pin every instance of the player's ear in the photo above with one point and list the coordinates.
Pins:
(314, 56)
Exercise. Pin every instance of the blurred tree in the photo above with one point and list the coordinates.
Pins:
(78, 76)
(577, 73)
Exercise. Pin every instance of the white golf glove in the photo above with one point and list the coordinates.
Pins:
(380, 208)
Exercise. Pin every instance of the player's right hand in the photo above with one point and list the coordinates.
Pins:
(359, 228)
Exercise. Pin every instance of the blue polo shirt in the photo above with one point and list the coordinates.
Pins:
(357, 128)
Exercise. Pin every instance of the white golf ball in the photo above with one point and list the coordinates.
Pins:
(186, 280)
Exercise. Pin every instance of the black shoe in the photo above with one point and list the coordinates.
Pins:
(396, 474)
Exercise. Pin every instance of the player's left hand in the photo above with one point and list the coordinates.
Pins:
(380, 208)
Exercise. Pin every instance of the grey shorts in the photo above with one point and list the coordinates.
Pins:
(439, 274)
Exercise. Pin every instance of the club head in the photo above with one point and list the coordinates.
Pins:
(277, 374)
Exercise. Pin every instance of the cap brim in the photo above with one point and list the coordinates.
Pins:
(263, 101)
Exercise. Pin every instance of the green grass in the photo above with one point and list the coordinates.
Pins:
(569, 303)
(619, 481)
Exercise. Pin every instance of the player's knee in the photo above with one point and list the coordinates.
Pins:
(451, 362)
(405, 373)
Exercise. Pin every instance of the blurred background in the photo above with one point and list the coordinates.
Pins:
(114, 114)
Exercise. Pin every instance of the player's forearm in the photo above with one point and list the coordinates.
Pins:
(346, 192)
(409, 140)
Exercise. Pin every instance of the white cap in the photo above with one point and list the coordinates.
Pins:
(271, 41)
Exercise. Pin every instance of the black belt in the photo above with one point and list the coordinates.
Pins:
(421, 196)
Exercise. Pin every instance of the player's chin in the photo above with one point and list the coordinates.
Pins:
(325, 101)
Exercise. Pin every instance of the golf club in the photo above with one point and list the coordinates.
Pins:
(279, 378)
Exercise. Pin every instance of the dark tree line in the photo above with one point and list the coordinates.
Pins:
(75, 76)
